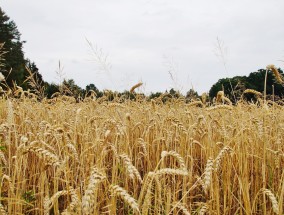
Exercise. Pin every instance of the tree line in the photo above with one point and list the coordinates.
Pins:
(22, 72)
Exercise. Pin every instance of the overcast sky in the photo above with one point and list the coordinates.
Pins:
(163, 43)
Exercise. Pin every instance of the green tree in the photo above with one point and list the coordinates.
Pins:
(14, 61)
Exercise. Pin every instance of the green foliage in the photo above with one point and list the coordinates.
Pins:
(29, 196)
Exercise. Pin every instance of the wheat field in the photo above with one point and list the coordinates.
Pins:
(140, 157)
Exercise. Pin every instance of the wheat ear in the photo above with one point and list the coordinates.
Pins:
(273, 200)
(203, 210)
(276, 73)
(122, 193)
(207, 175)
(221, 154)
(49, 157)
(256, 93)
(74, 201)
(220, 96)
(135, 86)
(3, 159)
(169, 171)
(181, 208)
(72, 148)
(142, 143)
(152, 177)
(2, 210)
(195, 103)
(130, 167)
(49, 202)
(147, 200)
(11, 186)
(88, 199)
(226, 107)
(176, 155)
